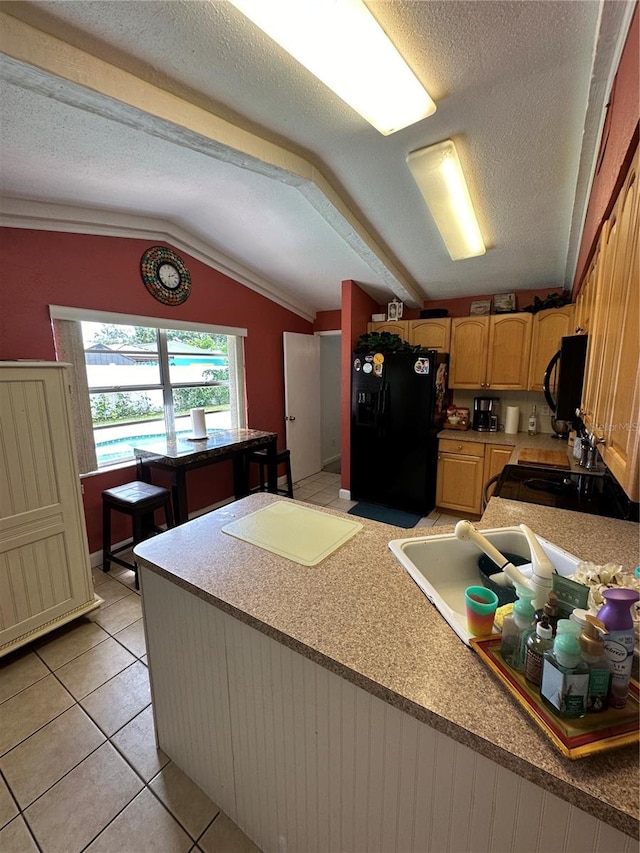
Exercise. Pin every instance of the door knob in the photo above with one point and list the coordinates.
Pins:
(289, 418)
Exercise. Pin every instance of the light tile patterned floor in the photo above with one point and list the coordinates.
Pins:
(323, 489)
(79, 768)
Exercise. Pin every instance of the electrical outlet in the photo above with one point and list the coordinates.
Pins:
(545, 410)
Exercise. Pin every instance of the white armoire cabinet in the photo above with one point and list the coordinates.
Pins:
(45, 573)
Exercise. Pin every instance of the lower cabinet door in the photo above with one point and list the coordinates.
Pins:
(460, 481)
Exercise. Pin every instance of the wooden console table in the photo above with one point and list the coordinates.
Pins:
(180, 455)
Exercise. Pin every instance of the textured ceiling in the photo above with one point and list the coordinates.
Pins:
(312, 194)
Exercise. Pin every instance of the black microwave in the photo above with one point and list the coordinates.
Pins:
(564, 377)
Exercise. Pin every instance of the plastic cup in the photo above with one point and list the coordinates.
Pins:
(481, 604)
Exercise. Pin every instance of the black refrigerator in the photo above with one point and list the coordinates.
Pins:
(398, 405)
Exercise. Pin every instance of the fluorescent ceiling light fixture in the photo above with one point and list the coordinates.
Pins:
(344, 46)
(438, 173)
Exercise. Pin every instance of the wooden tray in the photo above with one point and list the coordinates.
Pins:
(466, 426)
(550, 458)
(573, 738)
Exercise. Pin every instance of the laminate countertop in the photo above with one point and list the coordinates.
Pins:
(518, 441)
(360, 615)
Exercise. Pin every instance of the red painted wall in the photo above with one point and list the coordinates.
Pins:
(102, 273)
(621, 131)
(357, 308)
(327, 321)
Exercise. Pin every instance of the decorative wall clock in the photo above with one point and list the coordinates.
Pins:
(165, 275)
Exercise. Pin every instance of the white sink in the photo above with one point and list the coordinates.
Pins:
(443, 567)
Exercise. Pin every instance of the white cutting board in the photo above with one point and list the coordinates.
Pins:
(303, 535)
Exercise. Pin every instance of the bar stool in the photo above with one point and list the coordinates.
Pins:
(138, 500)
(283, 457)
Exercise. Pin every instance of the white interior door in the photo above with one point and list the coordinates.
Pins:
(302, 402)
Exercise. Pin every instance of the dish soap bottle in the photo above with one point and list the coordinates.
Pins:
(593, 655)
(565, 676)
(533, 422)
(549, 611)
(516, 628)
(619, 640)
(537, 645)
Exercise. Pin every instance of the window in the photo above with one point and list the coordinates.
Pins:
(143, 382)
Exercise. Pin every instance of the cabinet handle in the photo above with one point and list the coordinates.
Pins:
(459, 447)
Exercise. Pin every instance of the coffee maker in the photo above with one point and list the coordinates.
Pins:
(485, 417)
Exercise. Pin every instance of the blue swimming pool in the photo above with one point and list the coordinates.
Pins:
(119, 449)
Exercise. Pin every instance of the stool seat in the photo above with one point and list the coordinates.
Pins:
(136, 493)
(283, 457)
(138, 500)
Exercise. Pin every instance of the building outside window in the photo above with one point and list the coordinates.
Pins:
(143, 382)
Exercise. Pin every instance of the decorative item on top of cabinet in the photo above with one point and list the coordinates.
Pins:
(431, 334)
(395, 310)
(460, 475)
(548, 327)
(611, 394)
(491, 352)
(45, 577)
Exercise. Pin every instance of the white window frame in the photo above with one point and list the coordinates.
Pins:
(237, 394)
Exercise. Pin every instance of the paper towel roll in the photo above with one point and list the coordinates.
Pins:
(512, 419)
(198, 424)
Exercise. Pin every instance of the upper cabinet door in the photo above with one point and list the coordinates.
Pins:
(469, 343)
(394, 327)
(548, 328)
(431, 334)
(509, 349)
(618, 400)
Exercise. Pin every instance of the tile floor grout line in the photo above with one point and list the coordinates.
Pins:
(64, 775)
(30, 830)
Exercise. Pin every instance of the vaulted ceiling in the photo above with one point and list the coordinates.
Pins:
(179, 119)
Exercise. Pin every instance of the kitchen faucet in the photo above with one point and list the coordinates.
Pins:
(542, 569)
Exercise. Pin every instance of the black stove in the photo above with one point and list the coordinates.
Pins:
(594, 493)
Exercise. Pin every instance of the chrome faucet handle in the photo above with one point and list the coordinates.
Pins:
(585, 447)
(592, 456)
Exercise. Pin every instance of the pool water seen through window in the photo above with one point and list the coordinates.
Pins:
(144, 381)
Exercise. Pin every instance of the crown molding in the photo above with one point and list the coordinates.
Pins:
(46, 216)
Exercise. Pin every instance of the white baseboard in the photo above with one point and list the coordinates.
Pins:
(331, 459)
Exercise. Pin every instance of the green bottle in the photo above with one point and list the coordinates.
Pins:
(565, 676)
(517, 627)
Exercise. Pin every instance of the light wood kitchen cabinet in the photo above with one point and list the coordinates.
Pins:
(460, 475)
(592, 312)
(431, 334)
(45, 573)
(394, 327)
(585, 303)
(548, 328)
(495, 458)
(469, 347)
(491, 352)
(611, 398)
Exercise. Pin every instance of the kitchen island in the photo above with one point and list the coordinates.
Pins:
(331, 707)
